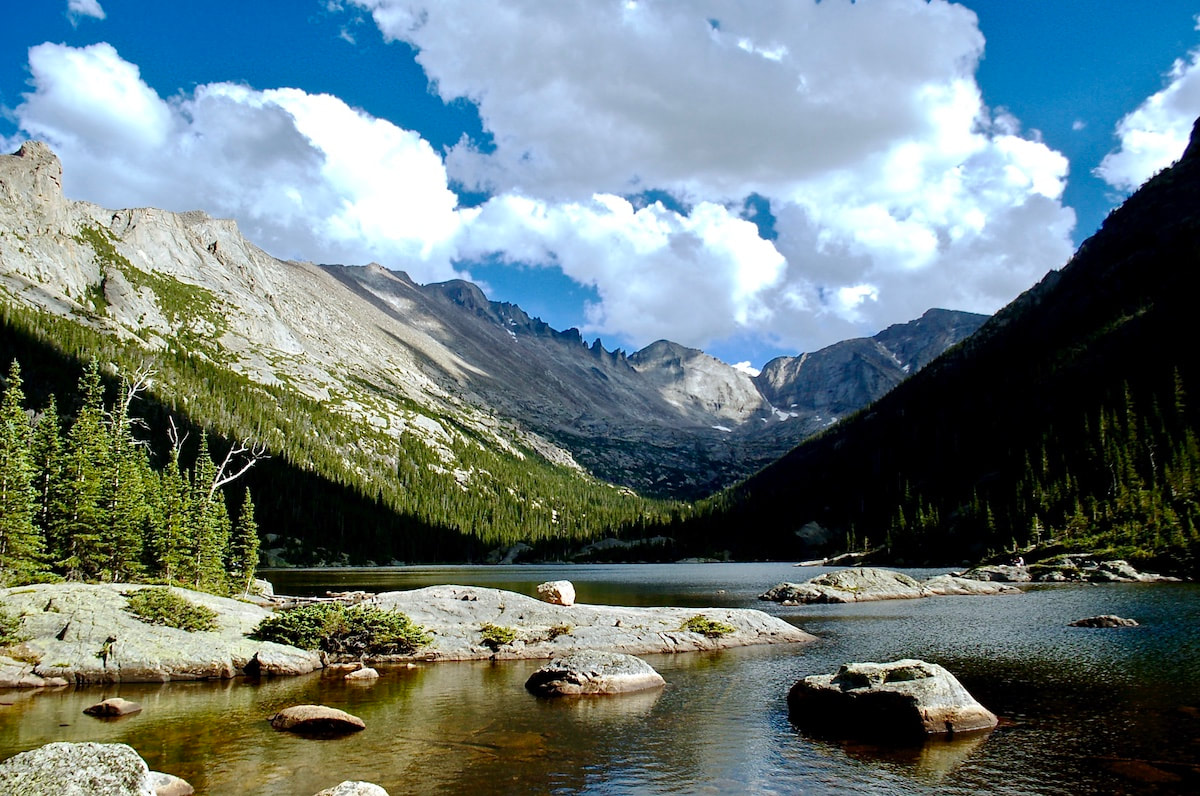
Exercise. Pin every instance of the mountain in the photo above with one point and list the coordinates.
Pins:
(1068, 420)
(431, 401)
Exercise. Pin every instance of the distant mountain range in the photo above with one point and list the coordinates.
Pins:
(1070, 420)
(348, 372)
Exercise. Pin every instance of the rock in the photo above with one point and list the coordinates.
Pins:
(349, 788)
(113, 707)
(1106, 620)
(1004, 573)
(19, 674)
(899, 701)
(557, 592)
(316, 720)
(77, 769)
(83, 633)
(364, 674)
(860, 584)
(942, 585)
(262, 588)
(454, 614)
(593, 673)
(170, 785)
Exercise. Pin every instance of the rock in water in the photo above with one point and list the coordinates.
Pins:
(860, 584)
(349, 788)
(903, 700)
(77, 769)
(113, 707)
(593, 673)
(170, 785)
(1106, 620)
(557, 592)
(316, 720)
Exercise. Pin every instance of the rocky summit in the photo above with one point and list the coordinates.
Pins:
(438, 362)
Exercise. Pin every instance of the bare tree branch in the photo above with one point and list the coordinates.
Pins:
(253, 452)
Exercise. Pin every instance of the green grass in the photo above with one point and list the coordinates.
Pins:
(707, 627)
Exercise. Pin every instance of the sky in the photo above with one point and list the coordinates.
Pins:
(753, 179)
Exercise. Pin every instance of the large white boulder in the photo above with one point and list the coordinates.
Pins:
(557, 592)
(77, 769)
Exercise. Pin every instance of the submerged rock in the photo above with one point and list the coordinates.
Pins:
(316, 720)
(903, 700)
(590, 672)
(557, 592)
(77, 769)
(113, 707)
(170, 785)
(1105, 620)
(351, 788)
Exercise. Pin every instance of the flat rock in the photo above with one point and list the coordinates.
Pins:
(352, 788)
(858, 584)
(557, 592)
(1105, 620)
(590, 672)
(77, 769)
(113, 707)
(83, 633)
(316, 720)
(944, 585)
(455, 614)
(902, 700)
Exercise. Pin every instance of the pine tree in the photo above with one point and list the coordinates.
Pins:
(21, 544)
(48, 460)
(166, 542)
(125, 498)
(243, 550)
(210, 528)
(87, 465)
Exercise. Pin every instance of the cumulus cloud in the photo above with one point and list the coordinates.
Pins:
(77, 9)
(305, 175)
(893, 187)
(1154, 135)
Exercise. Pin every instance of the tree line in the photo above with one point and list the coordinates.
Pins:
(82, 500)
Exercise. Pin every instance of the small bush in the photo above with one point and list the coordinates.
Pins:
(707, 627)
(339, 630)
(10, 628)
(496, 636)
(161, 606)
(558, 630)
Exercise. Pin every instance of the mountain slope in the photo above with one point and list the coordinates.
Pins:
(1070, 414)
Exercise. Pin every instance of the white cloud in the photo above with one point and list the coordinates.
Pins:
(1154, 135)
(305, 175)
(84, 8)
(893, 186)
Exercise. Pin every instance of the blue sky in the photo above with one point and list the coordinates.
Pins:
(750, 179)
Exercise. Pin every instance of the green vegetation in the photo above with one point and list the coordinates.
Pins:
(161, 606)
(344, 631)
(711, 628)
(496, 636)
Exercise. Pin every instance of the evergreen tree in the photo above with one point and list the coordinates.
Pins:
(243, 550)
(48, 460)
(21, 544)
(125, 498)
(166, 542)
(87, 465)
(210, 529)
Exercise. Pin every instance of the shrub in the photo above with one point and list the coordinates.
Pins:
(161, 606)
(707, 627)
(10, 628)
(496, 636)
(339, 630)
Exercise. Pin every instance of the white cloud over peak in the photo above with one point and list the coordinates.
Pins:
(84, 8)
(893, 187)
(1154, 135)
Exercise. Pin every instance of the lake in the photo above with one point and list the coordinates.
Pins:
(1083, 711)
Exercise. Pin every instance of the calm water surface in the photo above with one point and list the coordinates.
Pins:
(1084, 711)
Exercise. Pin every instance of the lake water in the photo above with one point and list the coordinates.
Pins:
(1083, 711)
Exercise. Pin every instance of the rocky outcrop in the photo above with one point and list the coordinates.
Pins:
(903, 700)
(557, 592)
(1076, 567)
(867, 584)
(456, 614)
(111, 708)
(352, 788)
(316, 720)
(77, 769)
(1105, 620)
(82, 633)
(593, 673)
(19, 674)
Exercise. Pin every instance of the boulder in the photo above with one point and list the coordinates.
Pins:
(860, 584)
(1003, 573)
(113, 707)
(901, 701)
(365, 674)
(592, 672)
(349, 788)
(316, 720)
(170, 785)
(77, 769)
(1106, 620)
(557, 592)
